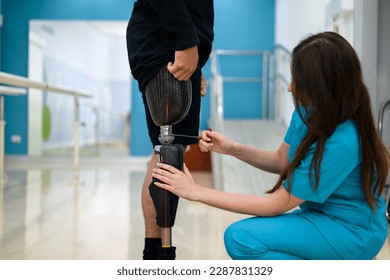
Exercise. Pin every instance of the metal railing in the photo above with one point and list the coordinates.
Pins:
(382, 109)
(274, 79)
(281, 77)
(99, 110)
(217, 95)
(21, 83)
(218, 80)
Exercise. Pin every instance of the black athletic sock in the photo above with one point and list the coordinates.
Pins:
(151, 248)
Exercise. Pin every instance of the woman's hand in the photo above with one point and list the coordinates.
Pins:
(178, 182)
(215, 142)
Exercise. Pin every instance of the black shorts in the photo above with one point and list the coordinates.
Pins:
(188, 126)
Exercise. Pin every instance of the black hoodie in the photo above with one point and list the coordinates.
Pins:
(157, 28)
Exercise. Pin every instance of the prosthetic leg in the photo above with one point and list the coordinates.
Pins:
(169, 101)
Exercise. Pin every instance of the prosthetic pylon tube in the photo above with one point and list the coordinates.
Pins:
(169, 101)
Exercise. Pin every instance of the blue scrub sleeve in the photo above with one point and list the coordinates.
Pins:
(337, 164)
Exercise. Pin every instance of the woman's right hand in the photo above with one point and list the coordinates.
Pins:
(212, 141)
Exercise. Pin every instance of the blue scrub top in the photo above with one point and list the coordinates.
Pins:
(338, 207)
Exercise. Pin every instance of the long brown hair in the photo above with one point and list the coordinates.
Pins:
(327, 75)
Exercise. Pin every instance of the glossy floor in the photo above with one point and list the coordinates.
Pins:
(56, 213)
(50, 214)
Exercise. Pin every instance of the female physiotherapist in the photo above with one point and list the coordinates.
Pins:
(332, 164)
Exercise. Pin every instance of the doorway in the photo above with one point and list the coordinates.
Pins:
(89, 56)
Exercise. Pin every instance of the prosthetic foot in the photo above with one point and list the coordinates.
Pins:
(169, 101)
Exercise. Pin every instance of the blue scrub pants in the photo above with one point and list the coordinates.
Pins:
(285, 237)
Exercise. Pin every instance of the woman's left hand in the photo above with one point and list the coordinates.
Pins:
(178, 182)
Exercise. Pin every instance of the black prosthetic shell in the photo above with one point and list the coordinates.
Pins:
(169, 99)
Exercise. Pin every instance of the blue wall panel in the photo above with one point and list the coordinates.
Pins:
(243, 25)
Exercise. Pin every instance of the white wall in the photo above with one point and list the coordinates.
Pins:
(366, 44)
(356, 20)
(82, 47)
(383, 86)
(296, 19)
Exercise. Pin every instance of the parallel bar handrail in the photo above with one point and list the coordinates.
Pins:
(281, 75)
(287, 51)
(240, 52)
(96, 109)
(12, 90)
(218, 78)
(15, 80)
(283, 79)
(217, 98)
(108, 110)
(241, 80)
(382, 109)
(275, 77)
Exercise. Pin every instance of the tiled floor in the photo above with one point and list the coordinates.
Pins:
(45, 213)
(50, 211)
